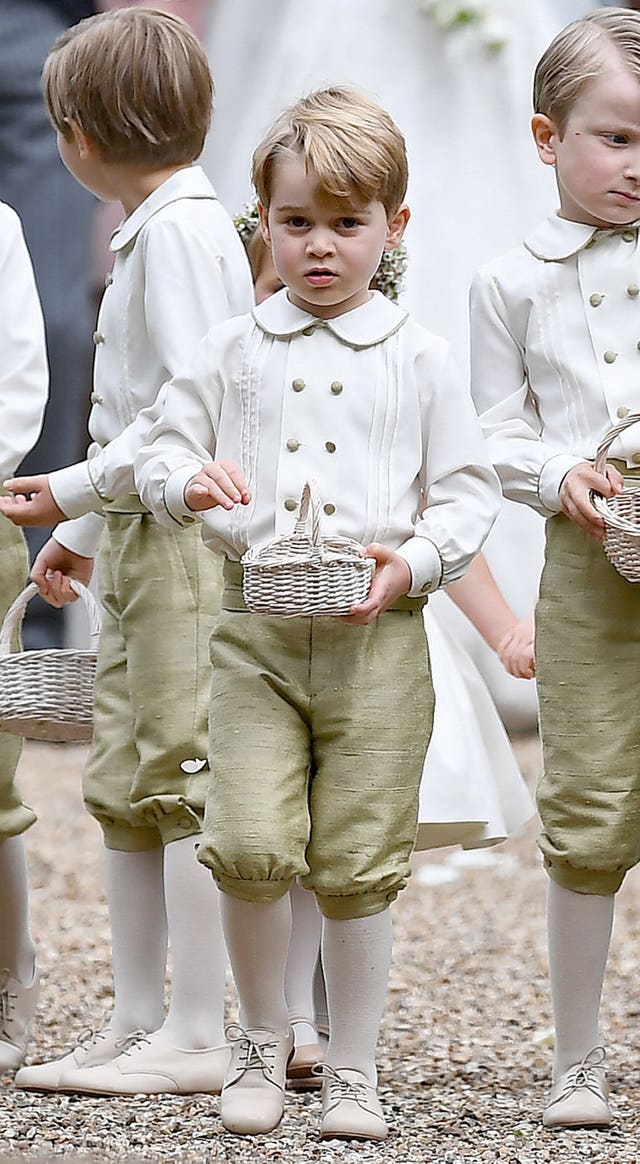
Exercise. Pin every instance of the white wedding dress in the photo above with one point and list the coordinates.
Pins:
(472, 792)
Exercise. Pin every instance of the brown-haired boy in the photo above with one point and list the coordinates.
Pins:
(129, 93)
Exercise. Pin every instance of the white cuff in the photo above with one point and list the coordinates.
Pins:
(81, 536)
(73, 490)
(425, 563)
(552, 475)
(173, 496)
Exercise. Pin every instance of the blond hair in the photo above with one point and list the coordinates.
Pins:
(581, 52)
(350, 143)
(137, 83)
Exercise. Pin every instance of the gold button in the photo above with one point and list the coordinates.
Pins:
(298, 385)
(629, 236)
(108, 280)
(293, 445)
(96, 398)
(633, 290)
(290, 504)
(308, 330)
(329, 509)
(336, 387)
(596, 299)
(610, 357)
(636, 458)
(330, 447)
(98, 337)
(622, 411)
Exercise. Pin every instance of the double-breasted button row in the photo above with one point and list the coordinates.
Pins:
(293, 445)
(299, 385)
(290, 504)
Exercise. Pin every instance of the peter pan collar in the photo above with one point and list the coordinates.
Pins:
(369, 324)
(189, 183)
(557, 239)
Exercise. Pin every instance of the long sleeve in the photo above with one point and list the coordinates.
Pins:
(24, 379)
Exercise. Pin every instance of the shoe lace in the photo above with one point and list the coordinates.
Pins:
(7, 1001)
(340, 1088)
(252, 1055)
(127, 1043)
(586, 1073)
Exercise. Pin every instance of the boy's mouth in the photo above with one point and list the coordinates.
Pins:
(319, 276)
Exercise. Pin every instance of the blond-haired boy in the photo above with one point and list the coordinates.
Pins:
(555, 351)
(129, 93)
(319, 726)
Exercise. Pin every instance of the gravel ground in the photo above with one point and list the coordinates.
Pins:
(465, 1051)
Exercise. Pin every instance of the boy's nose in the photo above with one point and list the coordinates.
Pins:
(320, 243)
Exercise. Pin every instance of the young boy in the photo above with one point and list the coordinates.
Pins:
(23, 396)
(327, 380)
(129, 93)
(555, 352)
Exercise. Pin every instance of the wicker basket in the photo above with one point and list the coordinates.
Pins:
(621, 512)
(303, 574)
(47, 695)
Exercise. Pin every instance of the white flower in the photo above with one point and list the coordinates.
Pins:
(449, 15)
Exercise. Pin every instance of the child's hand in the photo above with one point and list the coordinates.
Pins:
(53, 568)
(516, 650)
(218, 483)
(32, 503)
(575, 500)
(391, 579)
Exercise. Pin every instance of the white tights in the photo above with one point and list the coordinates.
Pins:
(356, 956)
(157, 898)
(579, 933)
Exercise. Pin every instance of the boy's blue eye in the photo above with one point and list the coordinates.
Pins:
(297, 221)
(618, 138)
(349, 223)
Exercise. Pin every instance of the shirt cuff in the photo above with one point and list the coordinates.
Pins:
(425, 563)
(73, 490)
(173, 496)
(552, 475)
(81, 536)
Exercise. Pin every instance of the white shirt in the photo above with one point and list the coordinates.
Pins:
(179, 268)
(368, 404)
(555, 354)
(24, 376)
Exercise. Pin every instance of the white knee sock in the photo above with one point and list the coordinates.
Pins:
(257, 935)
(135, 896)
(321, 1008)
(17, 950)
(356, 956)
(304, 952)
(197, 950)
(579, 932)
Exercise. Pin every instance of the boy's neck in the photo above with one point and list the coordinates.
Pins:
(134, 184)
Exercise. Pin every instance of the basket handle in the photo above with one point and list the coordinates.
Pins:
(610, 437)
(310, 499)
(15, 614)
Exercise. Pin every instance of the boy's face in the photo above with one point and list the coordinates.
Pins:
(325, 249)
(597, 161)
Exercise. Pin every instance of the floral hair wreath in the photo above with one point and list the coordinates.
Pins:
(389, 277)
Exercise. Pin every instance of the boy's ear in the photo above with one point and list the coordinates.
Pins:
(396, 227)
(264, 223)
(85, 145)
(545, 134)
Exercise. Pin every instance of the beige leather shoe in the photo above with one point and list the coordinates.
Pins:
(253, 1094)
(579, 1099)
(350, 1107)
(300, 1071)
(17, 1007)
(149, 1065)
(93, 1050)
